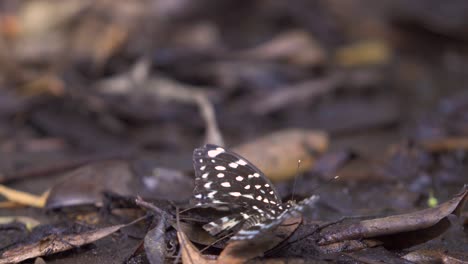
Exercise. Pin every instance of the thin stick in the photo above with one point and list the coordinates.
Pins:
(180, 230)
(185, 210)
(207, 247)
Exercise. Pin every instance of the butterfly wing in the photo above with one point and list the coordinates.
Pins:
(224, 223)
(224, 178)
(257, 225)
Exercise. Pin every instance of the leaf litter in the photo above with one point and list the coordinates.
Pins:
(103, 102)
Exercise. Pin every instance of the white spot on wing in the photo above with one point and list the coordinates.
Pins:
(211, 194)
(256, 175)
(267, 185)
(205, 175)
(226, 184)
(248, 196)
(259, 197)
(207, 185)
(198, 196)
(220, 168)
(215, 152)
(233, 165)
(248, 232)
(236, 194)
(258, 186)
(239, 178)
(258, 209)
(272, 202)
(220, 175)
(250, 176)
(241, 162)
(202, 167)
(265, 200)
(247, 187)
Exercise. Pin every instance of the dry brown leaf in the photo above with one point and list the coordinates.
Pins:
(86, 184)
(23, 197)
(349, 245)
(40, 17)
(111, 40)
(297, 47)
(155, 243)
(373, 255)
(446, 144)
(47, 84)
(364, 53)
(9, 26)
(277, 154)
(54, 244)
(430, 221)
(436, 256)
(9, 204)
(190, 254)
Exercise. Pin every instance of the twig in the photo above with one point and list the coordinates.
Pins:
(291, 94)
(171, 90)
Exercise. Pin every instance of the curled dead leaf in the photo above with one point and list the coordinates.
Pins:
(86, 184)
(349, 245)
(277, 154)
(436, 256)
(190, 254)
(23, 197)
(155, 244)
(53, 244)
(400, 230)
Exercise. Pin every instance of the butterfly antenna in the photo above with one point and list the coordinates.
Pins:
(327, 182)
(295, 179)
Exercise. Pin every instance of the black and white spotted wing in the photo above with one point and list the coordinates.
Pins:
(225, 179)
(257, 225)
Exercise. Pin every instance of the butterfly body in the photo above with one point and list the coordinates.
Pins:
(225, 180)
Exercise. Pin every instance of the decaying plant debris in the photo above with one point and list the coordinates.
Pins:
(361, 103)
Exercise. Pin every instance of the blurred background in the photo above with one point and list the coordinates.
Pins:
(90, 80)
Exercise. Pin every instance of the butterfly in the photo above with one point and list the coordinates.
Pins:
(225, 180)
